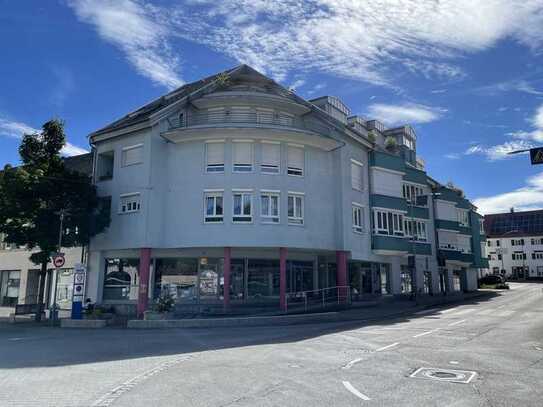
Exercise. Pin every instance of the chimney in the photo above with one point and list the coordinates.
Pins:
(512, 210)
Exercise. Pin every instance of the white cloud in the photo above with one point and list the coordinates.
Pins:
(514, 85)
(406, 113)
(365, 40)
(526, 198)
(9, 128)
(296, 84)
(132, 26)
(499, 151)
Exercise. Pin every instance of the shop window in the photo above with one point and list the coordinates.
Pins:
(9, 287)
(121, 280)
(406, 286)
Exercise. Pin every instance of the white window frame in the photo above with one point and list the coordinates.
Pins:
(380, 217)
(128, 148)
(358, 217)
(463, 217)
(270, 168)
(411, 191)
(242, 168)
(214, 168)
(242, 217)
(215, 217)
(296, 220)
(418, 226)
(295, 171)
(270, 217)
(357, 166)
(129, 205)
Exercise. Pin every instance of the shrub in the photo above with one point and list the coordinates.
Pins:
(391, 144)
(165, 303)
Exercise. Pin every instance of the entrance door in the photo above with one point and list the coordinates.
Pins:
(209, 281)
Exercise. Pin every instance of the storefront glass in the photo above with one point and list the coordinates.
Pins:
(9, 287)
(299, 276)
(384, 278)
(263, 278)
(177, 277)
(121, 279)
(406, 285)
(360, 279)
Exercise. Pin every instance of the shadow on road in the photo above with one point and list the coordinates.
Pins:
(27, 345)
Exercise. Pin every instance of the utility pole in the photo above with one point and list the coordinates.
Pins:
(54, 310)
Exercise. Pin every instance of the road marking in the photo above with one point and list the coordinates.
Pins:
(352, 363)
(425, 333)
(354, 391)
(426, 311)
(457, 322)
(387, 347)
(445, 311)
(111, 396)
(465, 311)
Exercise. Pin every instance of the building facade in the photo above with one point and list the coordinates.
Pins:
(515, 244)
(233, 190)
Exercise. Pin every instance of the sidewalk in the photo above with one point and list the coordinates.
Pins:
(368, 313)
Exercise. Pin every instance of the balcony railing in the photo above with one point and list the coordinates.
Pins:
(247, 119)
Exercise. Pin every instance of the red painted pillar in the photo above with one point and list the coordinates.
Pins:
(283, 278)
(143, 293)
(341, 267)
(226, 276)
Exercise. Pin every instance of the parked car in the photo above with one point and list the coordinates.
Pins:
(491, 279)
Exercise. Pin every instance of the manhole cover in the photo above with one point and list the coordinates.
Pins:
(444, 375)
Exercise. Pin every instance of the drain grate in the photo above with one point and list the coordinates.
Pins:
(444, 375)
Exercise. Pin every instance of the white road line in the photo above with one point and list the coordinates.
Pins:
(350, 387)
(387, 347)
(426, 311)
(352, 363)
(425, 333)
(457, 322)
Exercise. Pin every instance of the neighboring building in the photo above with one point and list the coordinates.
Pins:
(515, 244)
(234, 181)
(19, 277)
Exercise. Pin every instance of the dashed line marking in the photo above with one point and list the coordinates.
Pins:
(352, 363)
(425, 333)
(109, 398)
(354, 391)
(457, 322)
(387, 347)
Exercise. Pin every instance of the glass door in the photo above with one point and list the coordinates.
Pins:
(209, 281)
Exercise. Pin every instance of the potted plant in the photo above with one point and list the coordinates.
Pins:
(162, 308)
(391, 145)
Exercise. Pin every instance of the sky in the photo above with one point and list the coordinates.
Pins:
(466, 74)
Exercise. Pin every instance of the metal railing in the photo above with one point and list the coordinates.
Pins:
(321, 298)
(247, 118)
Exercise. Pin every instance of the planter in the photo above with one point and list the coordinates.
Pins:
(83, 323)
(157, 316)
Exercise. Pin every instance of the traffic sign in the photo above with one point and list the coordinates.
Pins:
(58, 261)
(536, 155)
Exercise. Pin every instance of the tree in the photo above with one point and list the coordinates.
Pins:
(33, 195)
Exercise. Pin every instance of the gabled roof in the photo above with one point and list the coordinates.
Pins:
(143, 113)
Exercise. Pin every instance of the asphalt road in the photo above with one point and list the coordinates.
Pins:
(498, 342)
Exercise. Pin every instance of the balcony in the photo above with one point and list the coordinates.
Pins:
(251, 123)
(455, 255)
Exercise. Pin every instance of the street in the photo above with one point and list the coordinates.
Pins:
(497, 341)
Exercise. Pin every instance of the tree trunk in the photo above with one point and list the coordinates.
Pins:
(41, 290)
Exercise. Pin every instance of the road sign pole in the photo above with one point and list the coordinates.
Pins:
(80, 275)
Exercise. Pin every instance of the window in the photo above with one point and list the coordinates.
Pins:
(215, 156)
(357, 175)
(456, 281)
(264, 116)
(358, 224)
(243, 156)
(129, 203)
(518, 256)
(411, 192)
(517, 242)
(104, 167)
(406, 286)
(295, 158)
(481, 227)
(285, 119)
(132, 155)
(121, 279)
(388, 223)
(295, 209)
(497, 243)
(464, 243)
(409, 143)
(271, 158)
(242, 210)
(537, 255)
(269, 207)
(447, 240)
(463, 217)
(537, 241)
(213, 207)
(415, 229)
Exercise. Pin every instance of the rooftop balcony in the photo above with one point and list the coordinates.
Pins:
(250, 122)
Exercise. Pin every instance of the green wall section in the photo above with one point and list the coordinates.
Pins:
(384, 160)
(390, 202)
(380, 242)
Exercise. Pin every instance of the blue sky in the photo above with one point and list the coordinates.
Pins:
(468, 75)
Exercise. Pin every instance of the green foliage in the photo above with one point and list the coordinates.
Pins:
(165, 303)
(32, 195)
(391, 144)
(222, 80)
(371, 137)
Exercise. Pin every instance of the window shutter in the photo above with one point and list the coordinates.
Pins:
(271, 154)
(296, 157)
(132, 155)
(356, 176)
(242, 153)
(215, 153)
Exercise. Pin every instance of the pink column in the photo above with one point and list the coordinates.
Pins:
(143, 293)
(283, 278)
(226, 276)
(341, 267)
